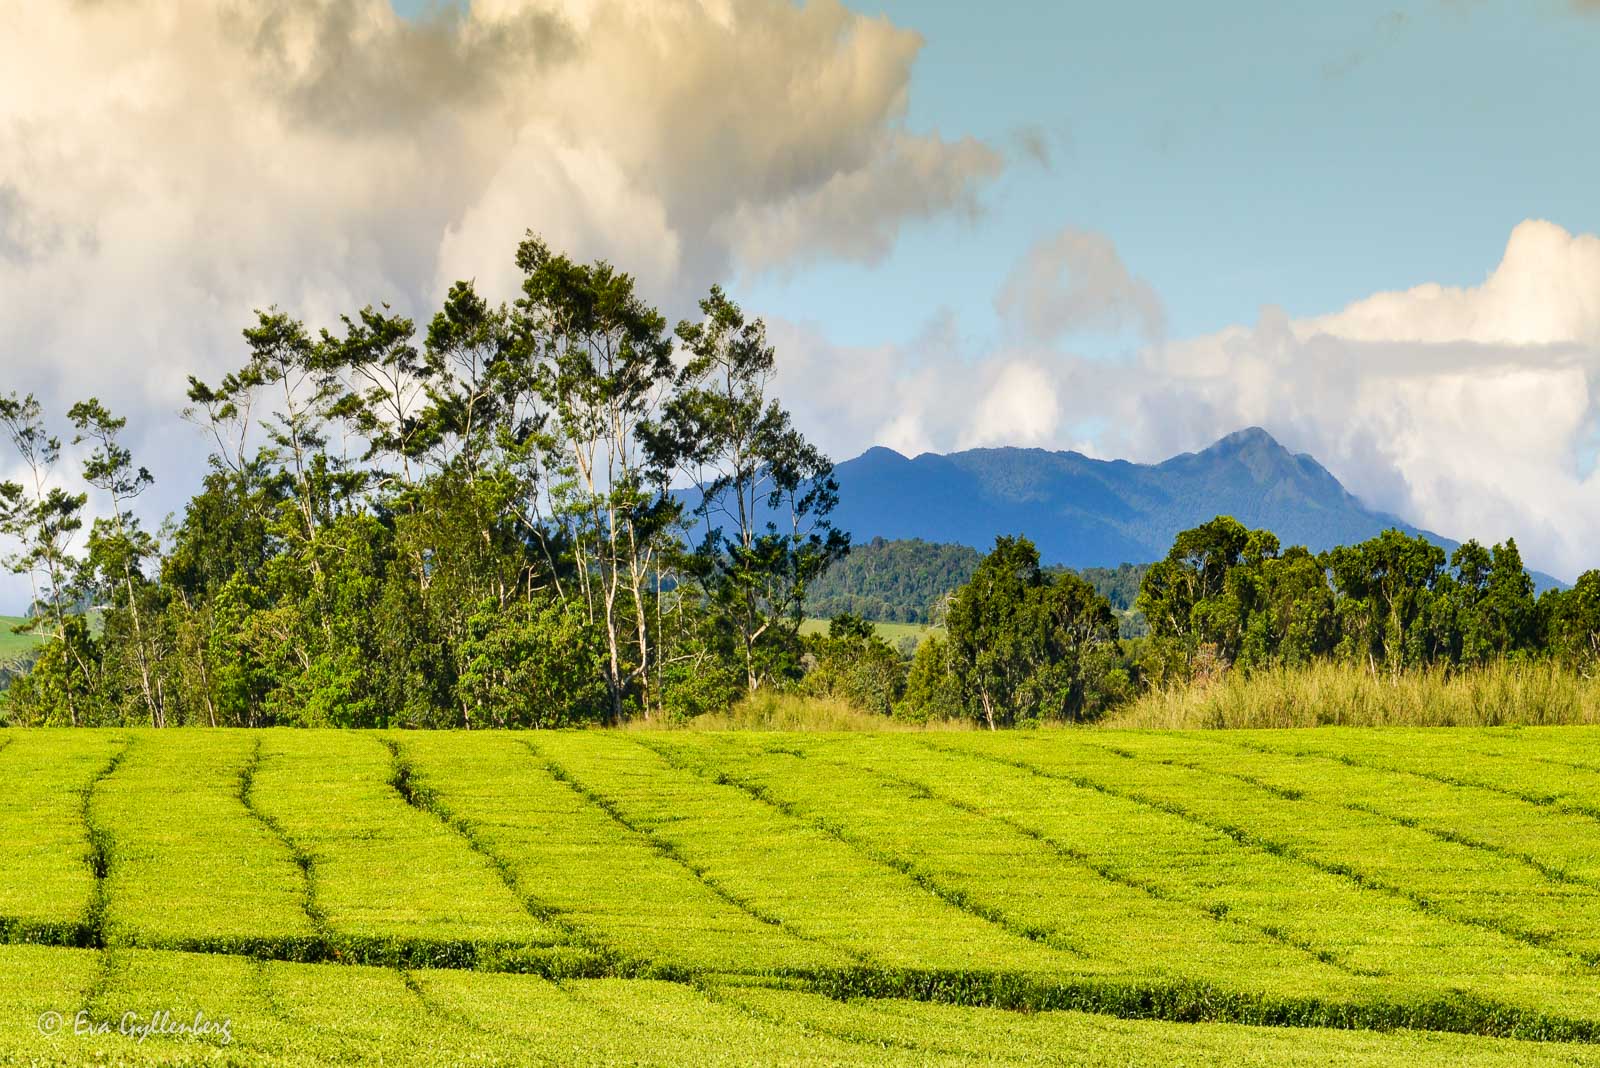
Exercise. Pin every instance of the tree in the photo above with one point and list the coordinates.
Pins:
(765, 493)
(1192, 576)
(933, 685)
(45, 519)
(1018, 637)
(852, 663)
(530, 665)
(118, 547)
(1383, 588)
(603, 363)
(1574, 621)
(477, 527)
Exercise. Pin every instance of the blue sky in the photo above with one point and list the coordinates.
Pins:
(1370, 228)
(1238, 154)
(1242, 155)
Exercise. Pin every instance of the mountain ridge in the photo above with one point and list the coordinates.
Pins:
(1086, 512)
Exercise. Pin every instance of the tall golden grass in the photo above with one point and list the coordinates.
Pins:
(1332, 694)
(772, 711)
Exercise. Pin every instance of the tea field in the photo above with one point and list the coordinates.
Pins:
(1054, 897)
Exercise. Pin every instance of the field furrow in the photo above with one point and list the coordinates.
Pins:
(1495, 857)
(605, 879)
(1369, 925)
(49, 885)
(802, 877)
(426, 899)
(887, 850)
(190, 867)
(1420, 754)
(1022, 879)
(1448, 874)
(392, 884)
(241, 1011)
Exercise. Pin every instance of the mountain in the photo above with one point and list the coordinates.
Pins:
(1083, 512)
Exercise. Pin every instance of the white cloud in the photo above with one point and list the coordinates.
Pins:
(166, 166)
(1470, 410)
(1546, 290)
(1075, 281)
(1473, 411)
(1020, 407)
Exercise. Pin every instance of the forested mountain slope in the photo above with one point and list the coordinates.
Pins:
(1082, 512)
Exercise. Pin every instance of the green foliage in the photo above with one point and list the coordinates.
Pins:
(531, 665)
(60, 685)
(1119, 585)
(908, 581)
(1226, 596)
(474, 527)
(933, 684)
(1574, 620)
(765, 493)
(852, 663)
(1022, 644)
(893, 581)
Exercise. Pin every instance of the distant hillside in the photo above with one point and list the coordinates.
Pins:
(891, 581)
(1082, 512)
(13, 645)
(16, 650)
(901, 581)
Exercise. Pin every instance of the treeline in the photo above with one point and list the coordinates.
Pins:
(1027, 644)
(471, 526)
(1227, 597)
(1119, 585)
(483, 524)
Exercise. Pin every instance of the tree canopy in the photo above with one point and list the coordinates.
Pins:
(468, 525)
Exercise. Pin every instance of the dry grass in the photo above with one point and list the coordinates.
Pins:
(793, 712)
(1502, 694)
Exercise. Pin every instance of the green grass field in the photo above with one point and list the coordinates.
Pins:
(889, 632)
(1094, 897)
(13, 645)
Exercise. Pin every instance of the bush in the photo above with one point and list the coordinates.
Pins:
(851, 663)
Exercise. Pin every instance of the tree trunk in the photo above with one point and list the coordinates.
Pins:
(157, 714)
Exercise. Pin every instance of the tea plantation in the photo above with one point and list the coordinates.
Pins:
(1110, 897)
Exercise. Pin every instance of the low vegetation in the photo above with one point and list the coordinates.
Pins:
(800, 712)
(906, 583)
(284, 1015)
(427, 897)
(1528, 692)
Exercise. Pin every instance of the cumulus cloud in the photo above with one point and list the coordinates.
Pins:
(1075, 281)
(168, 165)
(932, 393)
(1474, 411)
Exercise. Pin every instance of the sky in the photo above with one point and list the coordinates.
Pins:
(1125, 229)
